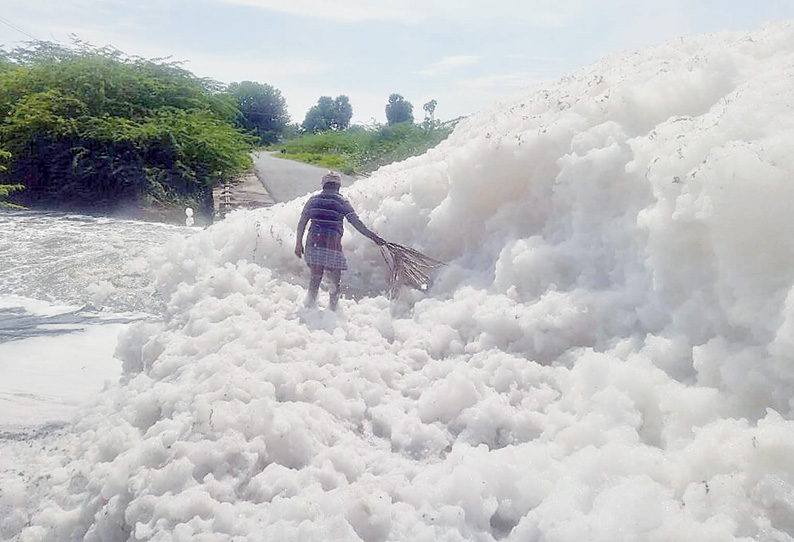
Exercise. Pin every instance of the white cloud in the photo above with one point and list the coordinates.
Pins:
(538, 13)
(98, 22)
(539, 60)
(512, 80)
(448, 64)
(343, 10)
(238, 69)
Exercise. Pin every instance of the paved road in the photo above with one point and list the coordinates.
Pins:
(287, 179)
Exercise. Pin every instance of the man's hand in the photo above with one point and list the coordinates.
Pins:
(298, 249)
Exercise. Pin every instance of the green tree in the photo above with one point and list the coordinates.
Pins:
(430, 109)
(320, 116)
(344, 112)
(328, 114)
(399, 110)
(263, 110)
(93, 128)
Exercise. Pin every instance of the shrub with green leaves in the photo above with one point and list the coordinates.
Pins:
(361, 151)
(6, 189)
(94, 128)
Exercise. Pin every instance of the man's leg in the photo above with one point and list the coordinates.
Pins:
(314, 286)
(335, 276)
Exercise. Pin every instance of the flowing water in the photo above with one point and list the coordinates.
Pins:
(96, 263)
(69, 284)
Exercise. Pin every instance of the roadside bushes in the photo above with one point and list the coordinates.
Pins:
(90, 128)
(6, 189)
(363, 150)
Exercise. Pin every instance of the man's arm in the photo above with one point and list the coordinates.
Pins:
(365, 231)
(301, 230)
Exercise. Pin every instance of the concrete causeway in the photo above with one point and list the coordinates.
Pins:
(274, 180)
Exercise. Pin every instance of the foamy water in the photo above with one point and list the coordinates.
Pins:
(68, 285)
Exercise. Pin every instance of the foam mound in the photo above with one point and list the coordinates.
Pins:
(608, 354)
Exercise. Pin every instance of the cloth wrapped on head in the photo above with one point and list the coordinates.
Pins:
(331, 177)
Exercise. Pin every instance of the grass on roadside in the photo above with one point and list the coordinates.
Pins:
(335, 162)
(361, 151)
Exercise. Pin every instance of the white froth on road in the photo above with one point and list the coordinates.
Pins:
(608, 355)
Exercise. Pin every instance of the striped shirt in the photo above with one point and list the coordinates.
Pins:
(327, 211)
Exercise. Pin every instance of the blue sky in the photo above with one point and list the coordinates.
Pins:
(462, 53)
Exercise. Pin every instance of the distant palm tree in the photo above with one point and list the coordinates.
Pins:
(430, 108)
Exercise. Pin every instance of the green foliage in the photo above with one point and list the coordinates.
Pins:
(360, 151)
(90, 127)
(328, 114)
(343, 164)
(344, 112)
(399, 110)
(263, 110)
(347, 142)
(429, 109)
(6, 189)
(292, 131)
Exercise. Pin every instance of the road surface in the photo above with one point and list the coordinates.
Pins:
(286, 179)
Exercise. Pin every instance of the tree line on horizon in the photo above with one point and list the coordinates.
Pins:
(92, 128)
(326, 138)
(263, 112)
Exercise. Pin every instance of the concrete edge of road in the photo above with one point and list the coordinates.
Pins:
(247, 191)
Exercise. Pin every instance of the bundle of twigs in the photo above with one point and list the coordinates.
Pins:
(407, 266)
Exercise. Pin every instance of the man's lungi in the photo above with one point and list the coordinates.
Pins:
(324, 249)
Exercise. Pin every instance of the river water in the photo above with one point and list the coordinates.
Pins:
(69, 284)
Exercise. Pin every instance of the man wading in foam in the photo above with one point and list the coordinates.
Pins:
(327, 210)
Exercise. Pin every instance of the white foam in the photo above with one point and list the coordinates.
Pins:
(46, 379)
